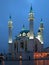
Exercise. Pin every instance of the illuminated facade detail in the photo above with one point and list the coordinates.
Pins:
(40, 55)
(31, 19)
(31, 37)
(10, 34)
(24, 34)
(10, 41)
(39, 38)
(20, 35)
(28, 34)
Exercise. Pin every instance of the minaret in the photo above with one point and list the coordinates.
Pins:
(31, 19)
(10, 34)
(40, 32)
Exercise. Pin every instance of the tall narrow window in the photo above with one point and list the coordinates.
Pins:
(22, 45)
(14, 46)
(36, 48)
(17, 46)
(25, 45)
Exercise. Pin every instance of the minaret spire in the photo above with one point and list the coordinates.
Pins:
(31, 8)
(31, 19)
(10, 17)
(31, 14)
(41, 19)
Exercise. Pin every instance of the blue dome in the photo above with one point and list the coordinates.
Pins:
(24, 31)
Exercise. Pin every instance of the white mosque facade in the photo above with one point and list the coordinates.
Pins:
(26, 42)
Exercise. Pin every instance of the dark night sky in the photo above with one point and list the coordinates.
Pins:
(19, 10)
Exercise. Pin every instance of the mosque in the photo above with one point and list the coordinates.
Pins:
(26, 43)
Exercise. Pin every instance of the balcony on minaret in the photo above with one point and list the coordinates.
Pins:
(10, 22)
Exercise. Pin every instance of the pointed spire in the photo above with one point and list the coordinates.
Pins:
(41, 23)
(41, 19)
(31, 8)
(31, 14)
(23, 28)
(10, 17)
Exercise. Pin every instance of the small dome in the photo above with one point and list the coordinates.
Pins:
(24, 31)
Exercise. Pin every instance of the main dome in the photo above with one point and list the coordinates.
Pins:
(24, 33)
